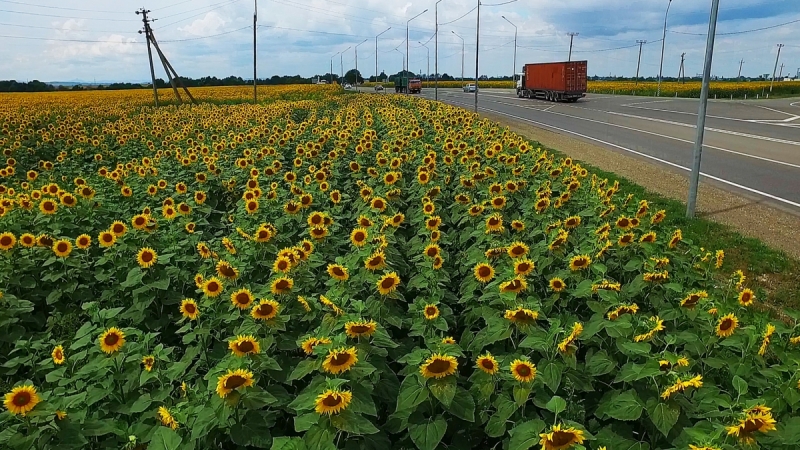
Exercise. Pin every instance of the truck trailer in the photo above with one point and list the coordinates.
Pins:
(556, 81)
(407, 85)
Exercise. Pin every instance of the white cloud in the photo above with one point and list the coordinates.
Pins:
(212, 23)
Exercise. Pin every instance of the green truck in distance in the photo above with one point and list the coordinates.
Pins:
(407, 85)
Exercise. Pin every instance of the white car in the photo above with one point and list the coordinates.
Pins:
(378, 88)
(347, 86)
(470, 88)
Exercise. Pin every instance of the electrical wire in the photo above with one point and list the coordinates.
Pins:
(465, 15)
(68, 40)
(64, 30)
(63, 9)
(206, 37)
(199, 14)
(738, 32)
(198, 9)
(67, 17)
(312, 31)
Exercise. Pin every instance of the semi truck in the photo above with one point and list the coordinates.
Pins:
(407, 85)
(556, 81)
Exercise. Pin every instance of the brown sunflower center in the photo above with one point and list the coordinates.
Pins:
(580, 262)
(726, 325)
(147, 257)
(190, 308)
(107, 238)
(234, 381)
(432, 252)
(521, 315)
(245, 346)
(523, 370)
(431, 310)
(118, 228)
(517, 250)
(282, 284)
(494, 222)
(439, 366)
(562, 438)
(242, 298)
(487, 364)
(48, 205)
(523, 267)
(59, 354)
(265, 309)
(337, 271)
(214, 287)
(751, 425)
(359, 236)
(484, 271)
(111, 339)
(5, 241)
(359, 329)
(332, 400)
(746, 296)
(316, 219)
(340, 359)
(22, 399)
(623, 223)
(387, 283)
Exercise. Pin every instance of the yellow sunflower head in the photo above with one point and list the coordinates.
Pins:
(189, 309)
(232, 380)
(487, 363)
(244, 345)
(332, 401)
(560, 437)
(265, 310)
(388, 283)
(112, 340)
(340, 360)
(21, 400)
(439, 366)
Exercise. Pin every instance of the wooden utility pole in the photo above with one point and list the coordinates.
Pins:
(741, 63)
(146, 32)
(169, 68)
(638, 64)
(780, 46)
(255, 76)
(682, 70)
(571, 37)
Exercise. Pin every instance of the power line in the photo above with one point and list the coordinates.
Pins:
(66, 17)
(739, 32)
(65, 30)
(313, 31)
(198, 9)
(198, 14)
(100, 41)
(61, 8)
(465, 15)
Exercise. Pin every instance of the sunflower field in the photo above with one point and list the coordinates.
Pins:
(691, 89)
(338, 271)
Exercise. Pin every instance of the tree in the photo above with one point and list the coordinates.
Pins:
(353, 76)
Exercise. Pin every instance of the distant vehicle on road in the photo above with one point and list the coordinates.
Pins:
(378, 88)
(557, 81)
(347, 86)
(322, 82)
(407, 85)
(470, 88)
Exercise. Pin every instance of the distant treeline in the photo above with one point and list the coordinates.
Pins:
(39, 86)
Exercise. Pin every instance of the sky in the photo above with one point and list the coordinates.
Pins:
(88, 40)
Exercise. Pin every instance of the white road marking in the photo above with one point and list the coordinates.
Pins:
(695, 114)
(797, 104)
(646, 103)
(663, 161)
(771, 109)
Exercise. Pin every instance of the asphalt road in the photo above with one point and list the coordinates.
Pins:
(751, 147)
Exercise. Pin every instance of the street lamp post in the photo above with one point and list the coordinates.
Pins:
(376, 53)
(331, 75)
(365, 40)
(514, 72)
(404, 58)
(436, 53)
(478, 45)
(428, 73)
(341, 63)
(462, 56)
(408, 61)
(663, 41)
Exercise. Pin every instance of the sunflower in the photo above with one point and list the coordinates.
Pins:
(438, 262)
(340, 360)
(234, 379)
(483, 272)
(62, 248)
(309, 344)
(676, 238)
(494, 223)
(515, 286)
(438, 366)
(746, 297)
(212, 287)
(118, 228)
(147, 257)
(498, 202)
(766, 339)
(58, 355)
(148, 362)
(431, 250)
(332, 401)
(338, 272)
(242, 298)
(364, 222)
(761, 422)
(83, 241)
(727, 325)
(523, 371)
(388, 283)
(431, 312)
(106, 239)
(518, 225)
(681, 386)
(557, 284)
(189, 309)
(166, 418)
(376, 261)
(626, 239)
(318, 233)
(560, 438)
(244, 345)
(282, 264)
(487, 363)
(7, 241)
(359, 237)
(360, 329)
(572, 222)
(658, 325)
(282, 285)
(140, 221)
(691, 300)
(566, 346)
(226, 270)
(48, 207)
(521, 315)
(265, 310)
(21, 400)
(517, 249)
(112, 340)
(476, 210)
(28, 240)
(523, 267)
(579, 262)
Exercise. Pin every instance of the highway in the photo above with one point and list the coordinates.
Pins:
(751, 147)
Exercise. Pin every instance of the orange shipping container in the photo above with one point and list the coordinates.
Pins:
(567, 77)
